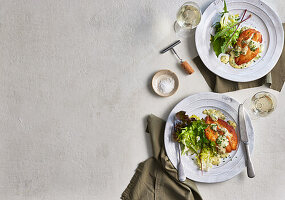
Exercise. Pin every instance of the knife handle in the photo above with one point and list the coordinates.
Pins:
(250, 170)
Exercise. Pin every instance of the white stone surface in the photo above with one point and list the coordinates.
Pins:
(75, 93)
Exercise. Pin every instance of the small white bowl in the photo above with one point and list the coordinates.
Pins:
(162, 74)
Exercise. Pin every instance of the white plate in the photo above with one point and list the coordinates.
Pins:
(264, 19)
(195, 104)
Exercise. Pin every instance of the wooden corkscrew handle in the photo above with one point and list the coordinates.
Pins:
(187, 67)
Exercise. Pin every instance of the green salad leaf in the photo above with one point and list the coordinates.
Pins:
(226, 34)
(193, 139)
(217, 45)
(190, 133)
(225, 8)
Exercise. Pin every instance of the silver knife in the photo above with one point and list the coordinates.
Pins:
(244, 139)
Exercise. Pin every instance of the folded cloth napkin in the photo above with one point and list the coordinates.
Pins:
(156, 178)
(275, 79)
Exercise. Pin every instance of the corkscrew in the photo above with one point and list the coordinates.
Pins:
(184, 63)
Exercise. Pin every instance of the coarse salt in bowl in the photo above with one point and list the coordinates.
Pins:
(165, 83)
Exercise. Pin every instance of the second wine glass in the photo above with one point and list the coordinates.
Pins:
(260, 105)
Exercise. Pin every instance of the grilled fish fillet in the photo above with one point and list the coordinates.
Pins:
(245, 35)
(213, 135)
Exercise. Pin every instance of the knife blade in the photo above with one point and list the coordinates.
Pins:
(242, 125)
(244, 139)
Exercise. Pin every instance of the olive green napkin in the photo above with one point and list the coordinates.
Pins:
(274, 80)
(156, 178)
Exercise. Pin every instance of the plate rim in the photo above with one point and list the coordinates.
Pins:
(217, 96)
(278, 49)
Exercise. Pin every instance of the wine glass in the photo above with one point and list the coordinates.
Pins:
(188, 18)
(260, 104)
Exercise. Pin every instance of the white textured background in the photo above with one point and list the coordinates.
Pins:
(74, 96)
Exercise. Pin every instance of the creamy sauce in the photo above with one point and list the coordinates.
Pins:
(261, 48)
(233, 124)
(225, 58)
(244, 28)
(214, 114)
(253, 45)
(244, 50)
(227, 133)
(222, 141)
(216, 127)
(242, 66)
(216, 160)
(248, 40)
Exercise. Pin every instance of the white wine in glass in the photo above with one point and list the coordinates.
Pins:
(261, 104)
(188, 17)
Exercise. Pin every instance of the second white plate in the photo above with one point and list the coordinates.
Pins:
(264, 19)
